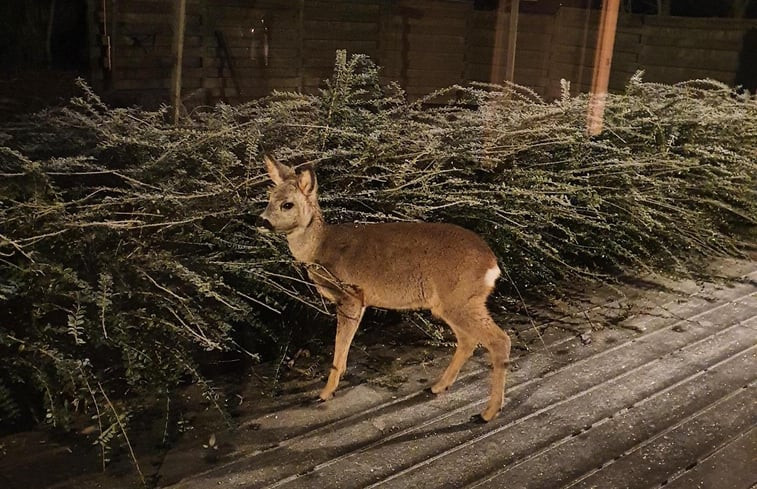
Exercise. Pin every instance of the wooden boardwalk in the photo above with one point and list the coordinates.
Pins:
(668, 399)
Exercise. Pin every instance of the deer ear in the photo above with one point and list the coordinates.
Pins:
(277, 171)
(306, 180)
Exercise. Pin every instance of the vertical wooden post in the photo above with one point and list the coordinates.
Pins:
(602, 64)
(112, 22)
(208, 46)
(105, 39)
(49, 36)
(584, 43)
(512, 38)
(177, 49)
(97, 40)
(301, 44)
(499, 42)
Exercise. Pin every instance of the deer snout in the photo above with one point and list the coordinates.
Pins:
(263, 222)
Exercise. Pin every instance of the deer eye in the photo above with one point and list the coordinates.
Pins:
(287, 206)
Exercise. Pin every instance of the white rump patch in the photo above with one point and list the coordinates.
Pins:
(492, 275)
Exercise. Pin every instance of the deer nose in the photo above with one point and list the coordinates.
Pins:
(262, 222)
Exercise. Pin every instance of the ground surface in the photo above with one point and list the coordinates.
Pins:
(666, 396)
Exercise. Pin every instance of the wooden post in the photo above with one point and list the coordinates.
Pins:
(584, 43)
(602, 64)
(112, 22)
(512, 38)
(499, 42)
(177, 49)
(301, 44)
(49, 36)
(207, 45)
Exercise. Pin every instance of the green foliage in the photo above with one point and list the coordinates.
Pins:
(127, 253)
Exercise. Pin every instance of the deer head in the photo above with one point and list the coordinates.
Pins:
(293, 204)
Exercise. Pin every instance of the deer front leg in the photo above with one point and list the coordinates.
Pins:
(349, 313)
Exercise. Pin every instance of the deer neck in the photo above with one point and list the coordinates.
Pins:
(304, 242)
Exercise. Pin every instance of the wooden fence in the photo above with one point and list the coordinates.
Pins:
(242, 49)
(668, 49)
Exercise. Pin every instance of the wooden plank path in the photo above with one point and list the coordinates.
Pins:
(666, 400)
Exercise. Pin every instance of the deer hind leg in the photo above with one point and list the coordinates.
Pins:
(498, 343)
(465, 346)
(472, 324)
(349, 313)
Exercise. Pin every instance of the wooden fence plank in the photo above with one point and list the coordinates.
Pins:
(690, 58)
(689, 42)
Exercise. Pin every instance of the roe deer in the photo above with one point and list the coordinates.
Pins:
(408, 265)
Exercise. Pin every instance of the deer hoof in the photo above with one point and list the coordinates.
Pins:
(477, 419)
(489, 414)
